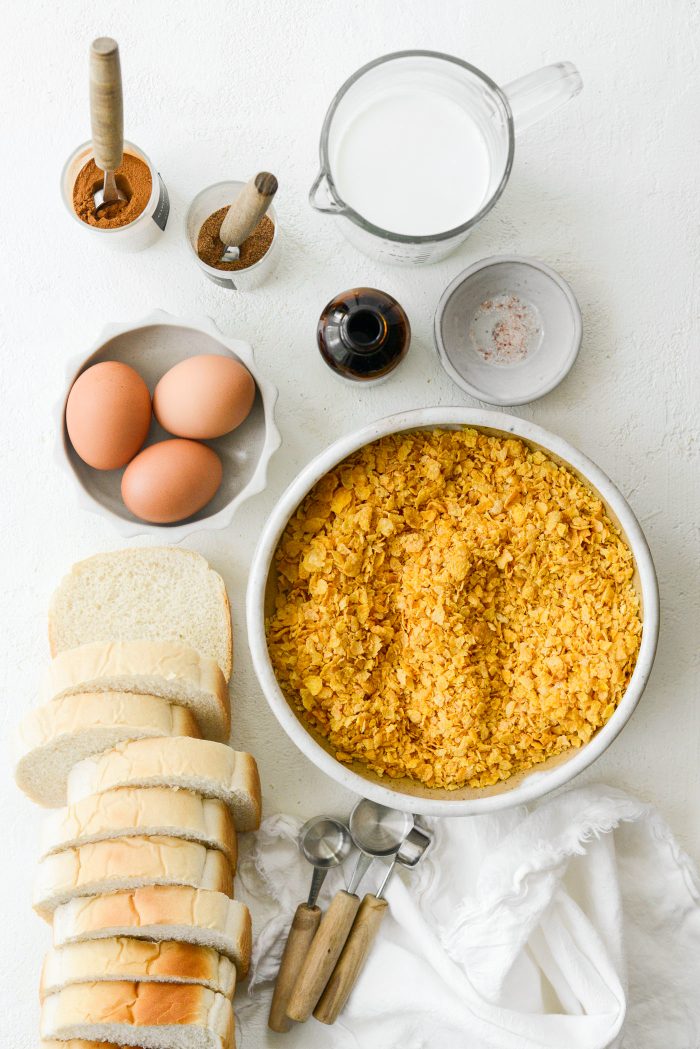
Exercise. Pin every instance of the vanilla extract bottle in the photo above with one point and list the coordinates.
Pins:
(363, 334)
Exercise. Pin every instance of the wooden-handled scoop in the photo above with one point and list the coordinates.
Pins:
(245, 213)
(323, 954)
(364, 932)
(325, 843)
(107, 117)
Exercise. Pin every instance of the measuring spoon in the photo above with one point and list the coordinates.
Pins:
(325, 843)
(376, 831)
(106, 117)
(245, 213)
(364, 932)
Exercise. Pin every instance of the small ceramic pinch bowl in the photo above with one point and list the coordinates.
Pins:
(508, 330)
(152, 346)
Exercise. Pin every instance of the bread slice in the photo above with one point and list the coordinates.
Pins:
(122, 958)
(148, 594)
(160, 668)
(56, 735)
(127, 863)
(130, 811)
(161, 912)
(210, 769)
(155, 1016)
(80, 1043)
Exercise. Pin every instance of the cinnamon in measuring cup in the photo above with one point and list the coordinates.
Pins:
(133, 177)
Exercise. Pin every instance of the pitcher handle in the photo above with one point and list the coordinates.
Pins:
(538, 94)
(331, 206)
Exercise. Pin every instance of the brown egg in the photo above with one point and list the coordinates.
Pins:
(204, 397)
(108, 414)
(171, 480)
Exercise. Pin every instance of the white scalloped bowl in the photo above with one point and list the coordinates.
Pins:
(152, 346)
(407, 794)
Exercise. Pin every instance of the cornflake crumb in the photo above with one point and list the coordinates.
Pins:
(453, 607)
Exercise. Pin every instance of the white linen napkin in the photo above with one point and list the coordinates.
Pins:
(575, 925)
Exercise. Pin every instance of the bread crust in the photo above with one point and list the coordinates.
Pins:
(124, 863)
(125, 958)
(160, 912)
(133, 811)
(136, 1005)
(53, 737)
(119, 563)
(162, 668)
(205, 766)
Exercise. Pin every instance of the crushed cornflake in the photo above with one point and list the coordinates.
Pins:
(453, 607)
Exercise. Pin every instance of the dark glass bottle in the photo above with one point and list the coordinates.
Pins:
(363, 334)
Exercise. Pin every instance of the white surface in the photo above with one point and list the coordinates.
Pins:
(539, 780)
(606, 192)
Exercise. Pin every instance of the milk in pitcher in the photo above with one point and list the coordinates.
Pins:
(413, 161)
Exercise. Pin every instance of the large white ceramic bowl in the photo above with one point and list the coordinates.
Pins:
(404, 793)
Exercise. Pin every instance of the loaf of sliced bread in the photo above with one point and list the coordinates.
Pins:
(149, 594)
(123, 958)
(161, 912)
(152, 1015)
(209, 768)
(167, 669)
(128, 863)
(130, 811)
(56, 735)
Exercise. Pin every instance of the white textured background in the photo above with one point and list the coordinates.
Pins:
(606, 191)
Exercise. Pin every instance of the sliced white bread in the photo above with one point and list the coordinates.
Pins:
(167, 669)
(123, 958)
(127, 863)
(149, 594)
(209, 768)
(160, 912)
(56, 735)
(155, 1016)
(80, 1043)
(130, 811)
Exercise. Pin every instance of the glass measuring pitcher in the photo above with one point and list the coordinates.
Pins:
(418, 137)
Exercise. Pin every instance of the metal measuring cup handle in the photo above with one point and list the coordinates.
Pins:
(307, 916)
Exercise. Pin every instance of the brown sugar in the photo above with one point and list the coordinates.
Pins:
(133, 178)
(210, 248)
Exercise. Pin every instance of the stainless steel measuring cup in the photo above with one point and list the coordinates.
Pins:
(498, 112)
(377, 831)
(364, 931)
(325, 843)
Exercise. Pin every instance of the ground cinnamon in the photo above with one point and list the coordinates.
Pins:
(210, 248)
(133, 178)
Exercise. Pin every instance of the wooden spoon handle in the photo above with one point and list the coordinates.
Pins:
(303, 929)
(106, 106)
(323, 954)
(247, 209)
(352, 958)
